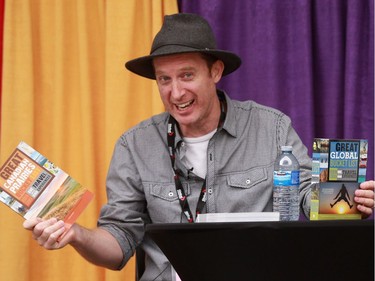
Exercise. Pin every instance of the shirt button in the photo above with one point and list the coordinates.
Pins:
(248, 181)
(182, 144)
(170, 194)
(210, 191)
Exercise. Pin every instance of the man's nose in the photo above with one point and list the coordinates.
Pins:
(176, 90)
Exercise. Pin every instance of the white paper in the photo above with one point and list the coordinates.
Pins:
(239, 217)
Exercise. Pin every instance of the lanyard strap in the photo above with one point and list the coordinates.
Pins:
(171, 136)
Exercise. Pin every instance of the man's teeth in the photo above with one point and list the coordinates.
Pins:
(184, 105)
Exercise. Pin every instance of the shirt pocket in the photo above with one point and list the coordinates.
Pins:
(246, 191)
(247, 179)
(163, 204)
(167, 191)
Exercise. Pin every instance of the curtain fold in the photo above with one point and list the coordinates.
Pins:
(66, 92)
(1, 49)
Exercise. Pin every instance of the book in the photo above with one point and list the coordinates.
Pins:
(33, 186)
(338, 168)
(239, 217)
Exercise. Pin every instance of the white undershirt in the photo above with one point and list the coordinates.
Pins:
(196, 154)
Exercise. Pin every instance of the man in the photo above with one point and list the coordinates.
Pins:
(206, 153)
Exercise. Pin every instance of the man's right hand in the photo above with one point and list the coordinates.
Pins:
(97, 245)
(48, 232)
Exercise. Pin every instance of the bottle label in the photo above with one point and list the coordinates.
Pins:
(285, 178)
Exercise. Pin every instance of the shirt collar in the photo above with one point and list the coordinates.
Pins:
(230, 124)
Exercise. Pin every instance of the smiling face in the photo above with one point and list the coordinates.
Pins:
(188, 90)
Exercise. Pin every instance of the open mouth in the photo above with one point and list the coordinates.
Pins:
(185, 105)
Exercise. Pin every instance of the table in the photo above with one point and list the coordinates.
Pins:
(267, 251)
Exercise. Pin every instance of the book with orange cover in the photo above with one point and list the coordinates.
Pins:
(32, 186)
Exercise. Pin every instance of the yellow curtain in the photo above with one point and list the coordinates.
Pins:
(66, 92)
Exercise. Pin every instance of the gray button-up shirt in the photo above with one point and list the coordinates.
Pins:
(240, 159)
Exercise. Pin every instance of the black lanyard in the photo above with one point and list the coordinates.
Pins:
(171, 135)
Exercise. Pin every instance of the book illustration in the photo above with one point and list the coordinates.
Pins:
(338, 167)
(337, 198)
(344, 195)
(32, 186)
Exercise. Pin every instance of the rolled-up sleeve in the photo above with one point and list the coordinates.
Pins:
(124, 213)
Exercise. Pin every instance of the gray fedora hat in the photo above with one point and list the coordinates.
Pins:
(183, 33)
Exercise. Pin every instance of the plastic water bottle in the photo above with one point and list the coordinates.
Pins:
(286, 185)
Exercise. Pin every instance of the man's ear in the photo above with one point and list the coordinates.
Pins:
(217, 70)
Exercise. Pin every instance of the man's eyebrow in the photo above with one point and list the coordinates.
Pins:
(188, 68)
(185, 68)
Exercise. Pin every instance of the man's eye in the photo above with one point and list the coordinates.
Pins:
(188, 75)
(163, 79)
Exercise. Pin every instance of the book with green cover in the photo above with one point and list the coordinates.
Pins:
(338, 167)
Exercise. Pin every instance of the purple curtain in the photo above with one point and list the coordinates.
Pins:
(311, 59)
